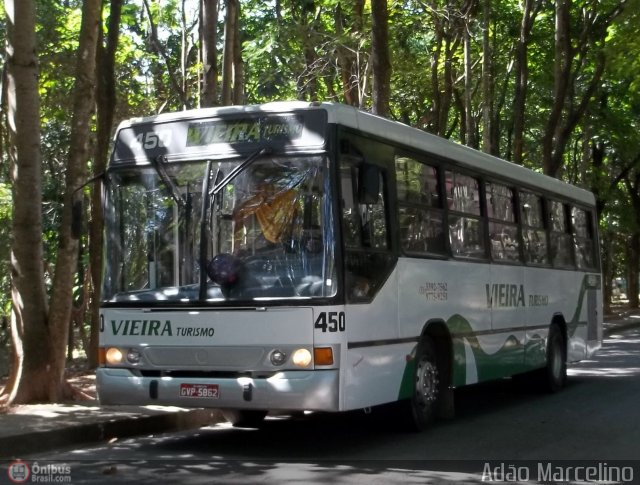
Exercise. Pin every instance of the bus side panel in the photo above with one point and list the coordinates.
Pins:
(594, 318)
(568, 294)
(375, 359)
(455, 293)
(507, 297)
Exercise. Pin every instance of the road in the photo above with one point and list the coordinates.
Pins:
(594, 418)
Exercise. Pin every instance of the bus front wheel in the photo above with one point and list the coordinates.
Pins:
(426, 391)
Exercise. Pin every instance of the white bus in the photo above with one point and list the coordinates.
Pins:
(311, 256)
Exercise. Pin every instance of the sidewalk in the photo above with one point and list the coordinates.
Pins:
(619, 319)
(44, 427)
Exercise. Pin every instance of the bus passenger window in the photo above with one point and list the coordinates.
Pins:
(420, 207)
(534, 236)
(503, 231)
(561, 250)
(466, 233)
(583, 238)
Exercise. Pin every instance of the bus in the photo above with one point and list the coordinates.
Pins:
(297, 256)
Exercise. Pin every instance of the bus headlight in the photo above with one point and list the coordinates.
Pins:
(114, 356)
(134, 356)
(301, 358)
(278, 357)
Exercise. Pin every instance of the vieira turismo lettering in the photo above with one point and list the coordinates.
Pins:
(142, 328)
(500, 295)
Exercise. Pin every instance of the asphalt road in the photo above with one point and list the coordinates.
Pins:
(594, 419)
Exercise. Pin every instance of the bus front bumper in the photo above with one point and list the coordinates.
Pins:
(315, 390)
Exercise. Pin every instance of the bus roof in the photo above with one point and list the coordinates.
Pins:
(400, 133)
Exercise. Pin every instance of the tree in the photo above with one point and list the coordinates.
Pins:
(208, 48)
(67, 256)
(40, 334)
(31, 353)
(348, 28)
(577, 73)
(105, 107)
(380, 61)
(230, 32)
(529, 11)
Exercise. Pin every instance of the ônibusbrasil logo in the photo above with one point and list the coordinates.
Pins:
(19, 471)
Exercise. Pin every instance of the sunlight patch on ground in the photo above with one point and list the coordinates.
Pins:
(605, 372)
(52, 410)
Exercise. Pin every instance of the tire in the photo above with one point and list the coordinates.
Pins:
(554, 376)
(244, 418)
(421, 409)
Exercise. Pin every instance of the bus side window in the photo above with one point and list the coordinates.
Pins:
(466, 233)
(420, 207)
(366, 240)
(534, 235)
(561, 251)
(583, 238)
(503, 231)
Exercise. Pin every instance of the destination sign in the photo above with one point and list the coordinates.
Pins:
(245, 130)
(222, 135)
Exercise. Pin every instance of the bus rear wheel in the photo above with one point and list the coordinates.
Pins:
(554, 376)
(426, 391)
(244, 418)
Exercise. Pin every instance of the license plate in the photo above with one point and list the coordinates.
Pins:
(210, 391)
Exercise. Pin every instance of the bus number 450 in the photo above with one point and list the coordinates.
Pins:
(331, 321)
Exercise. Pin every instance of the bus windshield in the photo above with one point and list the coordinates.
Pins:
(267, 233)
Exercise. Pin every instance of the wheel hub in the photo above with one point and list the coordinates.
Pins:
(426, 382)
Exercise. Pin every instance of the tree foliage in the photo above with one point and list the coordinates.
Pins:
(550, 84)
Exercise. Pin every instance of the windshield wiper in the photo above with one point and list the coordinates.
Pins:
(207, 193)
(158, 164)
(239, 169)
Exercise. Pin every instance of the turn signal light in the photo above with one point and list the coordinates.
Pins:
(323, 355)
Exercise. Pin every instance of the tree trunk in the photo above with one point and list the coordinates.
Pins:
(434, 116)
(381, 86)
(347, 52)
(238, 62)
(633, 265)
(570, 74)
(30, 371)
(470, 128)
(105, 105)
(561, 71)
(208, 39)
(607, 270)
(158, 48)
(531, 7)
(633, 249)
(227, 55)
(79, 154)
(487, 82)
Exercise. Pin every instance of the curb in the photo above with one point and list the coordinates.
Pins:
(614, 328)
(37, 442)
